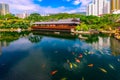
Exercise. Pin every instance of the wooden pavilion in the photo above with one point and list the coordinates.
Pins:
(61, 25)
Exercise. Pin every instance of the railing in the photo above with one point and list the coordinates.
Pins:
(54, 27)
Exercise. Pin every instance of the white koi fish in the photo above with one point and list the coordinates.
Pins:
(103, 70)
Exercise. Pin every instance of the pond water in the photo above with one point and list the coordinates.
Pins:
(53, 56)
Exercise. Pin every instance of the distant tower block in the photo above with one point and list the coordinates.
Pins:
(4, 9)
(98, 7)
(115, 6)
(0, 48)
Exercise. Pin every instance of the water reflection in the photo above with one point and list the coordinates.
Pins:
(102, 45)
(49, 56)
(35, 38)
(3, 44)
(115, 46)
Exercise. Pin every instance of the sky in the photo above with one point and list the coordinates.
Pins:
(47, 6)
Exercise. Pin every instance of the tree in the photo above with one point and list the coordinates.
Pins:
(10, 16)
(34, 17)
(82, 27)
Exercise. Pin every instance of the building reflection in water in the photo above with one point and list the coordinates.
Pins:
(102, 43)
(3, 44)
(108, 45)
(115, 46)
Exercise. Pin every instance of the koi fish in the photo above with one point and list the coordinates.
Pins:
(103, 70)
(91, 52)
(54, 72)
(63, 79)
(101, 51)
(90, 65)
(80, 56)
(74, 65)
(118, 60)
(68, 61)
(71, 66)
(83, 78)
(85, 53)
(111, 66)
(77, 60)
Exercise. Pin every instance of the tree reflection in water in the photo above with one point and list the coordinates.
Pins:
(63, 57)
(35, 38)
(12, 36)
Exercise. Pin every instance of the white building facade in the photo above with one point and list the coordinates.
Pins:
(106, 9)
(98, 7)
(90, 9)
(4, 9)
(22, 15)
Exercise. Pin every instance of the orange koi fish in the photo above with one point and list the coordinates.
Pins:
(90, 65)
(54, 72)
(77, 60)
(80, 56)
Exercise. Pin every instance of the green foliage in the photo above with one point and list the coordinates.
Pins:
(78, 27)
(14, 24)
(92, 38)
(11, 36)
(10, 16)
(82, 27)
(9, 21)
(34, 17)
(106, 21)
(35, 39)
(52, 17)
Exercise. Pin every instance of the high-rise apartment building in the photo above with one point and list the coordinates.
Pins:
(22, 15)
(4, 9)
(106, 8)
(90, 9)
(98, 7)
(115, 6)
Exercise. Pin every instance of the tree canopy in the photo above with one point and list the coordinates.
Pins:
(87, 22)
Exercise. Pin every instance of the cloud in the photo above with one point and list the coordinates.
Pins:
(76, 2)
(79, 9)
(28, 5)
(20, 6)
(83, 2)
(50, 10)
(68, 0)
(40, 0)
(83, 5)
(20, 42)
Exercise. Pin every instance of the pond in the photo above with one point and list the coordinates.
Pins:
(53, 56)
